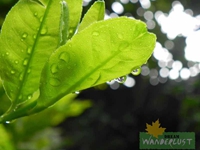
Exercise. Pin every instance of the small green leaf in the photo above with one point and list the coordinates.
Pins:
(64, 22)
(94, 14)
(75, 10)
(103, 51)
(30, 33)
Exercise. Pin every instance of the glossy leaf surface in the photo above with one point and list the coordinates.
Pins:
(103, 51)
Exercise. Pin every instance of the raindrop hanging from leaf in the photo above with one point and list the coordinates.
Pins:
(137, 71)
(121, 79)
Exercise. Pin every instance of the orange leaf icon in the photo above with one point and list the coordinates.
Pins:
(155, 129)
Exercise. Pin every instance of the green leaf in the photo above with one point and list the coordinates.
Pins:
(75, 10)
(64, 23)
(94, 14)
(103, 51)
(30, 33)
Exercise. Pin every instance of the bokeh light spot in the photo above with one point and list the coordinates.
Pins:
(145, 70)
(164, 72)
(117, 7)
(130, 82)
(124, 1)
(173, 74)
(185, 73)
(145, 4)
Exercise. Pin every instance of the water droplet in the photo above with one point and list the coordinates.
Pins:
(123, 46)
(29, 70)
(41, 18)
(7, 122)
(29, 97)
(16, 62)
(77, 92)
(24, 35)
(64, 56)
(71, 31)
(29, 49)
(121, 79)
(35, 14)
(54, 68)
(43, 31)
(54, 81)
(25, 62)
(95, 33)
(110, 82)
(12, 72)
(21, 76)
(136, 71)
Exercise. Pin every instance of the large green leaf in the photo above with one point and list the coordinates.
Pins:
(75, 10)
(30, 33)
(94, 14)
(103, 51)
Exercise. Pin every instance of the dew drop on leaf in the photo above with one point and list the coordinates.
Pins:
(25, 62)
(71, 31)
(76, 92)
(54, 82)
(12, 72)
(29, 49)
(64, 56)
(41, 18)
(43, 31)
(7, 122)
(21, 77)
(95, 33)
(29, 70)
(35, 14)
(30, 96)
(24, 35)
(136, 72)
(121, 79)
(54, 68)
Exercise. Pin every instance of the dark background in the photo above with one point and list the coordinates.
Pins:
(116, 117)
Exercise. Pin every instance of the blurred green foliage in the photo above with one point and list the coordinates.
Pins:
(39, 131)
